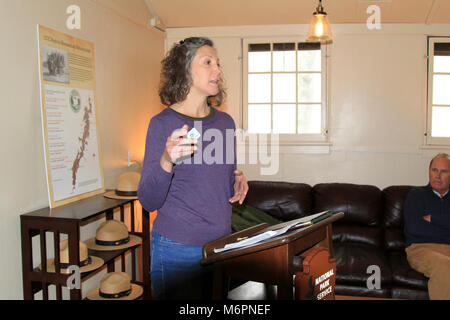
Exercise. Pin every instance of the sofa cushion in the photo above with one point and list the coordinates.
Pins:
(357, 234)
(360, 203)
(353, 260)
(409, 294)
(358, 291)
(394, 239)
(362, 207)
(282, 200)
(403, 274)
(394, 197)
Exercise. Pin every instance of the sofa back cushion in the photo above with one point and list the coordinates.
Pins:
(282, 200)
(362, 205)
(393, 199)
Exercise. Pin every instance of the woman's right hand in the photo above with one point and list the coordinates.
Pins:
(177, 146)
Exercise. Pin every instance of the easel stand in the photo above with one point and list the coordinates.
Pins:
(273, 261)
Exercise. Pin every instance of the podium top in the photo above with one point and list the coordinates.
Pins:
(209, 256)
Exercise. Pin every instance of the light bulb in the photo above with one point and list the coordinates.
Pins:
(319, 29)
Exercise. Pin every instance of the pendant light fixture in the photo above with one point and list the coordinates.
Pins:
(319, 28)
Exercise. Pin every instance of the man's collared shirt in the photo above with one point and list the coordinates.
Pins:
(439, 195)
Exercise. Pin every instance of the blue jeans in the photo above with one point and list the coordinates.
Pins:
(175, 270)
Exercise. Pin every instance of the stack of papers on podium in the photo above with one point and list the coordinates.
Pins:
(276, 230)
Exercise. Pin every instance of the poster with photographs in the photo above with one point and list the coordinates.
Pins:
(69, 117)
(55, 66)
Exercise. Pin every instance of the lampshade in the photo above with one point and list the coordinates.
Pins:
(319, 28)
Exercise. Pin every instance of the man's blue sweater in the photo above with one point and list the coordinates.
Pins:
(422, 201)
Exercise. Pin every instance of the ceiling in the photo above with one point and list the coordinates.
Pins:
(206, 13)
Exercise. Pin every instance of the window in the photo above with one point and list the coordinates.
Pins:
(438, 102)
(285, 89)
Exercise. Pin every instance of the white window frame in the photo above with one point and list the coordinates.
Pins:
(429, 140)
(321, 138)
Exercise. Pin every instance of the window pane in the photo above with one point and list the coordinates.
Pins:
(309, 118)
(440, 122)
(289, 46)
(259, 118)
(441, 92)
(441, 64)
(308, 46)
(309, 87)
(258, 47)
(259, 61)
(309, 60)
(284, 88)
(284, 118)
(442, 49)
(284, 61)
(258, 88)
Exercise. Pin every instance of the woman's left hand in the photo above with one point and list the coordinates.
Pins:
(240, 187)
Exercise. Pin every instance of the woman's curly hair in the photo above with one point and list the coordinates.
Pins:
(176, 77)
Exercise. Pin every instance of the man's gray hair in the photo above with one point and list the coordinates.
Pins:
(440, 155)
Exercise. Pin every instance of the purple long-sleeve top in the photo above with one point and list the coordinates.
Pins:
(193, 200)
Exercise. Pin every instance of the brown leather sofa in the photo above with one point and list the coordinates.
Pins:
(370, 234)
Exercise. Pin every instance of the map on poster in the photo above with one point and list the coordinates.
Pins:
(69, 117)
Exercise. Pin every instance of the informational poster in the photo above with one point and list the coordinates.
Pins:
(69, 117)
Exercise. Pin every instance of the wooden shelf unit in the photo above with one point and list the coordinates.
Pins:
(68, 219)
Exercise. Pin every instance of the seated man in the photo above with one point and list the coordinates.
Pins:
(427, 228)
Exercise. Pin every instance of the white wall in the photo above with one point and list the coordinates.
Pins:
(376, 108)
(127, 60)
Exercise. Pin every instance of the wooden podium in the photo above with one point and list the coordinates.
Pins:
(272, 261)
